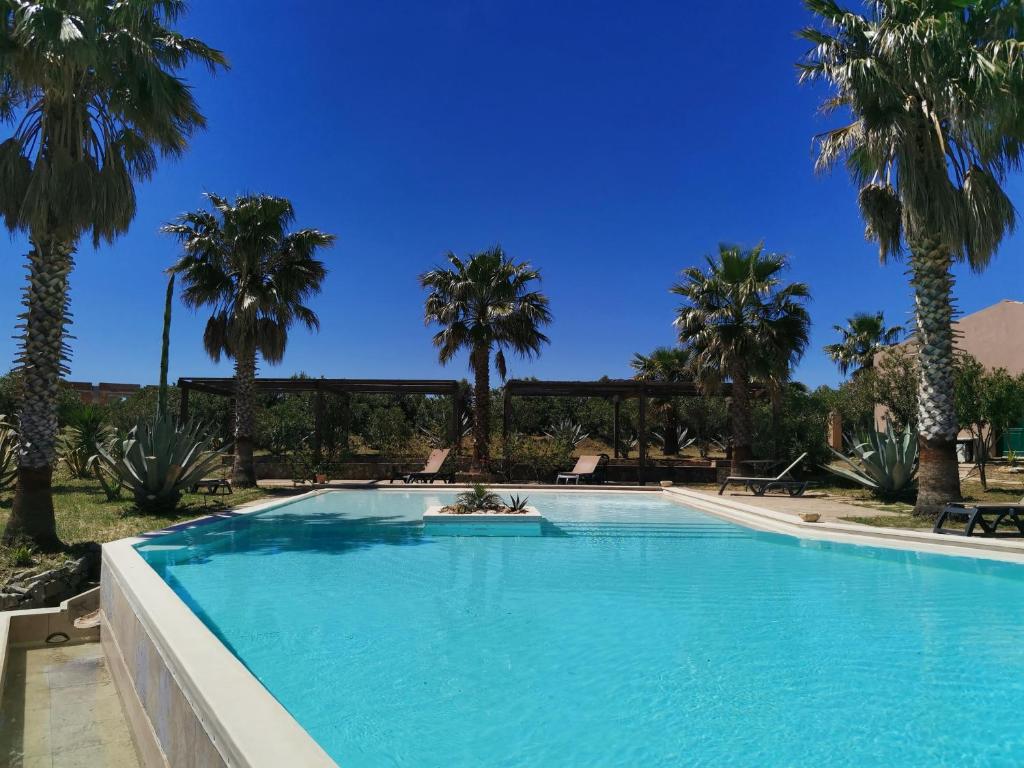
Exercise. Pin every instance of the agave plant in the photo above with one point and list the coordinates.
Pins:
(108, 479)
(87, 428)
(885, 462)
(436, 433)
(518, 503)
(478, 499)
(8, 454)
(682, 435)
(567, 432)
(159, 459)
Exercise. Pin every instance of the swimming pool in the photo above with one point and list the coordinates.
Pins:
(633, 632)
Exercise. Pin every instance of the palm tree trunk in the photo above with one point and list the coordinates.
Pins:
(671, 441)
(243, 471)
(741, 417)
(42, 365)
(481, 364)
(938, 474)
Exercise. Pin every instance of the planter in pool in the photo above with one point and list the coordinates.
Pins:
(437, 522)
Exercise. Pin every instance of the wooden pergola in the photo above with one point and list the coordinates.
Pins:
(615, 390)
(225, 387)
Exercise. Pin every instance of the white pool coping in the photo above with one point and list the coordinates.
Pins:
(249, 727)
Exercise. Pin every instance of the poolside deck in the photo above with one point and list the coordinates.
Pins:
(60, 709)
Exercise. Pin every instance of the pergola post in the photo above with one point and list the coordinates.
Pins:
(616, 402)
(506, 415)
(318, 424)
(184, 390)
(642, 439)
(455, 425)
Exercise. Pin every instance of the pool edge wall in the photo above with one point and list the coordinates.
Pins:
(188, 700)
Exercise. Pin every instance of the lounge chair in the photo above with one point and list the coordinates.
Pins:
(211, 485)
(587, 469)
(783, 481)
(432, 469)
(975, 516)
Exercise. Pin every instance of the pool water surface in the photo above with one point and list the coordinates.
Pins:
(633, 632)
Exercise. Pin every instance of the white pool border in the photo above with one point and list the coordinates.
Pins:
(190, 701)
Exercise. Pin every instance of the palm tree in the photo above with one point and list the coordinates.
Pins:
(933, 88)
(95, 93)
(664, 364)
(863, 337)
(743, 324)
(242, 261)
(485, 304)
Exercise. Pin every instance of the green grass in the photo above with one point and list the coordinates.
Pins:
(85, 516)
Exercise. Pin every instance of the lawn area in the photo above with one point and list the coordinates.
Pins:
(84, 515)
(899, 514)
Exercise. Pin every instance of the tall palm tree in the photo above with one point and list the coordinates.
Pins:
(242, 261)
(487, 303)
(933, 88)
(743, 324)
(863, 336)
(95, 93)
(669, 364)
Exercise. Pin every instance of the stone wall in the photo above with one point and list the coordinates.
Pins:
(50, 588)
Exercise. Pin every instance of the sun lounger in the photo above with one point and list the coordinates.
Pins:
(988, 517)
(783, 481)
(587, 469)
(211, 485)
(432, 469)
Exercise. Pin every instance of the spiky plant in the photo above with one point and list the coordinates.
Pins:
(485, 304)
(478, 499)
(863, 337)
(8, 454)
(933, 88)
(670, 364)
(256, 276)
(518, 504)
(886, 461)
(567, 433)
(679, 438)
(159, 459)
(95, 91)
(87, 428)
(744, 324)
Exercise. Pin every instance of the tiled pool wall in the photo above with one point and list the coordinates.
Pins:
(189, 702)
(164, 723)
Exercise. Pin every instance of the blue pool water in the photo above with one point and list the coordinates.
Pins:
(634, 632)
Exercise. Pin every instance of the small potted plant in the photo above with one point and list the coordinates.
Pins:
(320, 472)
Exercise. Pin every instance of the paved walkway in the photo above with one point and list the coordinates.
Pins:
(831, 508)
(60, 710)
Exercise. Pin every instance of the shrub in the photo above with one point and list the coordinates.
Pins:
(86, 428)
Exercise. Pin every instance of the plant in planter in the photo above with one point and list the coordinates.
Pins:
(480, 499)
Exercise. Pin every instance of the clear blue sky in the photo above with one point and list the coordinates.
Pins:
(611, 144)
